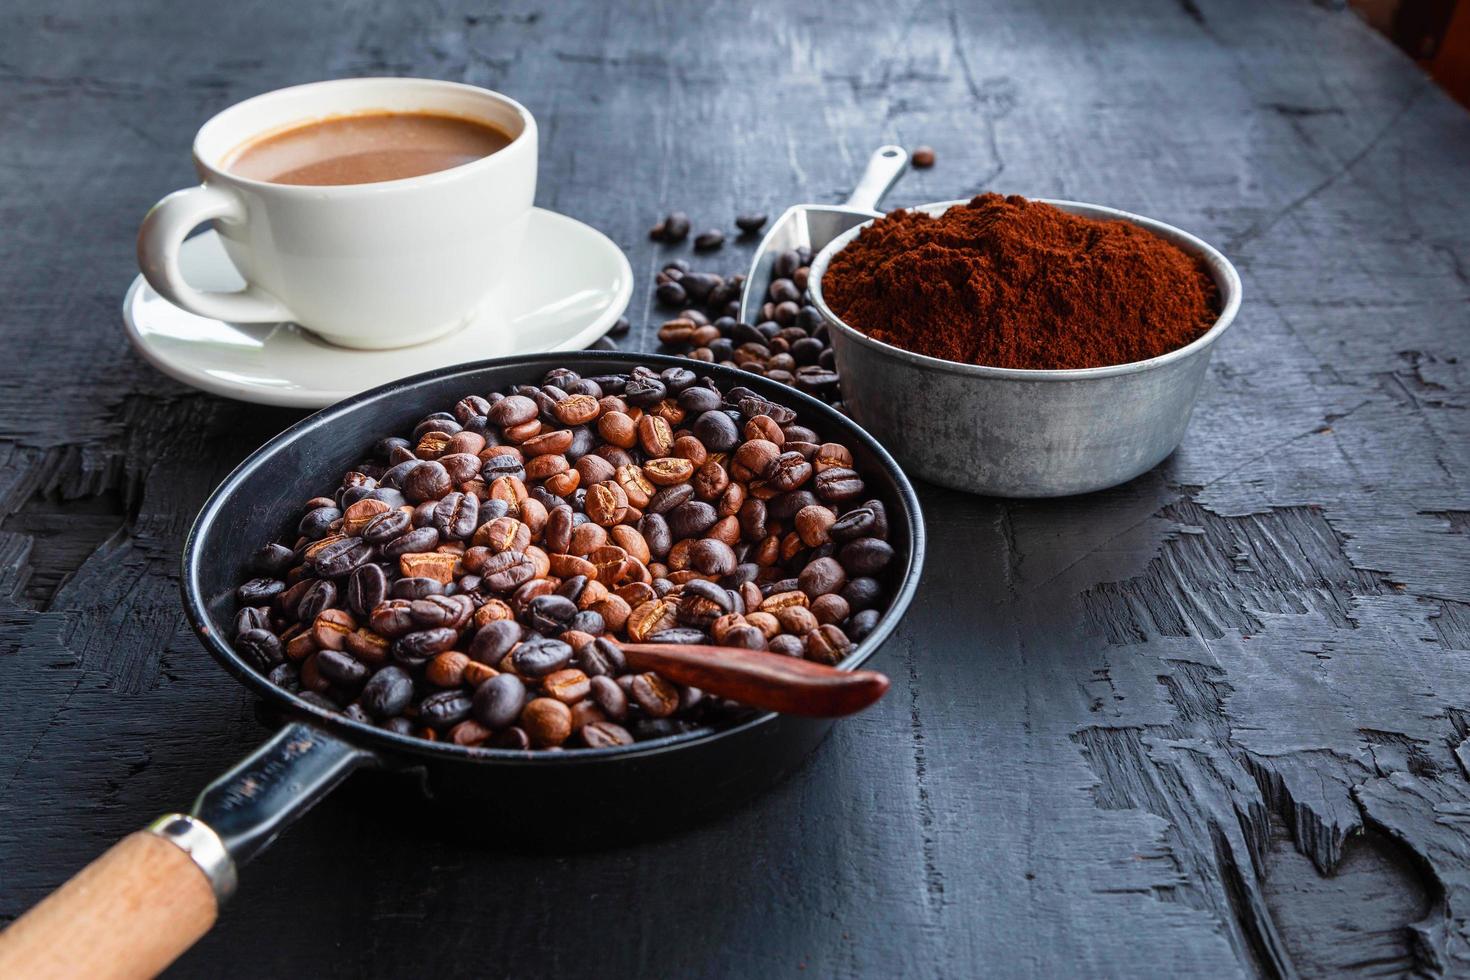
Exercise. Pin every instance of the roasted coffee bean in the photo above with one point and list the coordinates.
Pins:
(599, 657)
(429, 480)
(862, 593)
(923, 157)
(497, 703)
(539, 657)
(456, 516)
(507, 570)
(273, 561)
(679, 634)
(604, 735)
(860, 625)
(318, 596)
(285, 676)
(654, 695)
(445, 709)
(826, 645)
(261, 648)
(787, 645)
(822, 576)
(674, 227)
(691, 519)
(707, 241)
(865, 556)
(318, 522)
(330, 629)
(416, 588)
(341, 669)
(387, 692)
(549, 614)
(259, 591)
(366, 587)
(495, 640)
(609, 696)
(547, 722)
(750, 222)
(711, 557)
(339, 558)
(838, 484)
(385, 527)
(415, 649)
(252, 618)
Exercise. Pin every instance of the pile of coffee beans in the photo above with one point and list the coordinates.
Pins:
(788, 344)
(469, 581)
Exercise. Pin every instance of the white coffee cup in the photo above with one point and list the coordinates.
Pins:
(362, 265)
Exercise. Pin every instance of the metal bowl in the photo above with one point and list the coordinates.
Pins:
(1017, 433)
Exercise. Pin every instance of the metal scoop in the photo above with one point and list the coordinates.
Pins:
(814, 225)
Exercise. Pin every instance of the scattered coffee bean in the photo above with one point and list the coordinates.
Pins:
(709, 240)
(923, 157)
(750, 222)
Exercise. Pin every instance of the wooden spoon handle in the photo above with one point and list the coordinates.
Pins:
(770, 681)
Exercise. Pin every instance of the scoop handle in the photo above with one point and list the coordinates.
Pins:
(769, 681)
(885, 166)
(130, 913)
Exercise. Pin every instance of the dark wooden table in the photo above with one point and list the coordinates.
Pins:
(1214, 721)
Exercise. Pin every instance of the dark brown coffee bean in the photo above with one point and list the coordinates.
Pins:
(386, 527)
(318, 596)
(604, 735)
(341, 669)
(609, 696)
(539, 657)
(822, 576)
(417, 648)
(387, 692)
(417, 541)
(259, 591)
(787, 645)
(709, 240)
(506, 570)
(865, 556)
(445, 709)
(750, 222)
(456, 516)
(366, 587)
(711, 557)
(513, 410)
(862, 593)
(495, 640)
(923, 157)
(599, 657)
(261, 648)
(497, 703)
(429, 480)
(838, 483)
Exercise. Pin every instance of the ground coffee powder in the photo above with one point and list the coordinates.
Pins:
(1012, 283)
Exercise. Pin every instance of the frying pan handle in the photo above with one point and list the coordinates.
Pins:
(135, 909)
(885, 166)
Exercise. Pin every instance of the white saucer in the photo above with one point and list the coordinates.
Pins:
(570, 285)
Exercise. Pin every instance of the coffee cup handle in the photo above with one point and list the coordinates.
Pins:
(160, 237)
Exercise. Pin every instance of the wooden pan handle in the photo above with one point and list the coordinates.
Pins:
(130, 913)
(770, 681)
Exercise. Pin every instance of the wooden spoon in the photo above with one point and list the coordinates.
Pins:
(769, 681)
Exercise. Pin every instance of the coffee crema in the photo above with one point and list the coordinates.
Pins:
(366, 148)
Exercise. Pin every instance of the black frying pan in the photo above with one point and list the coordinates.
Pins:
(652, 783)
